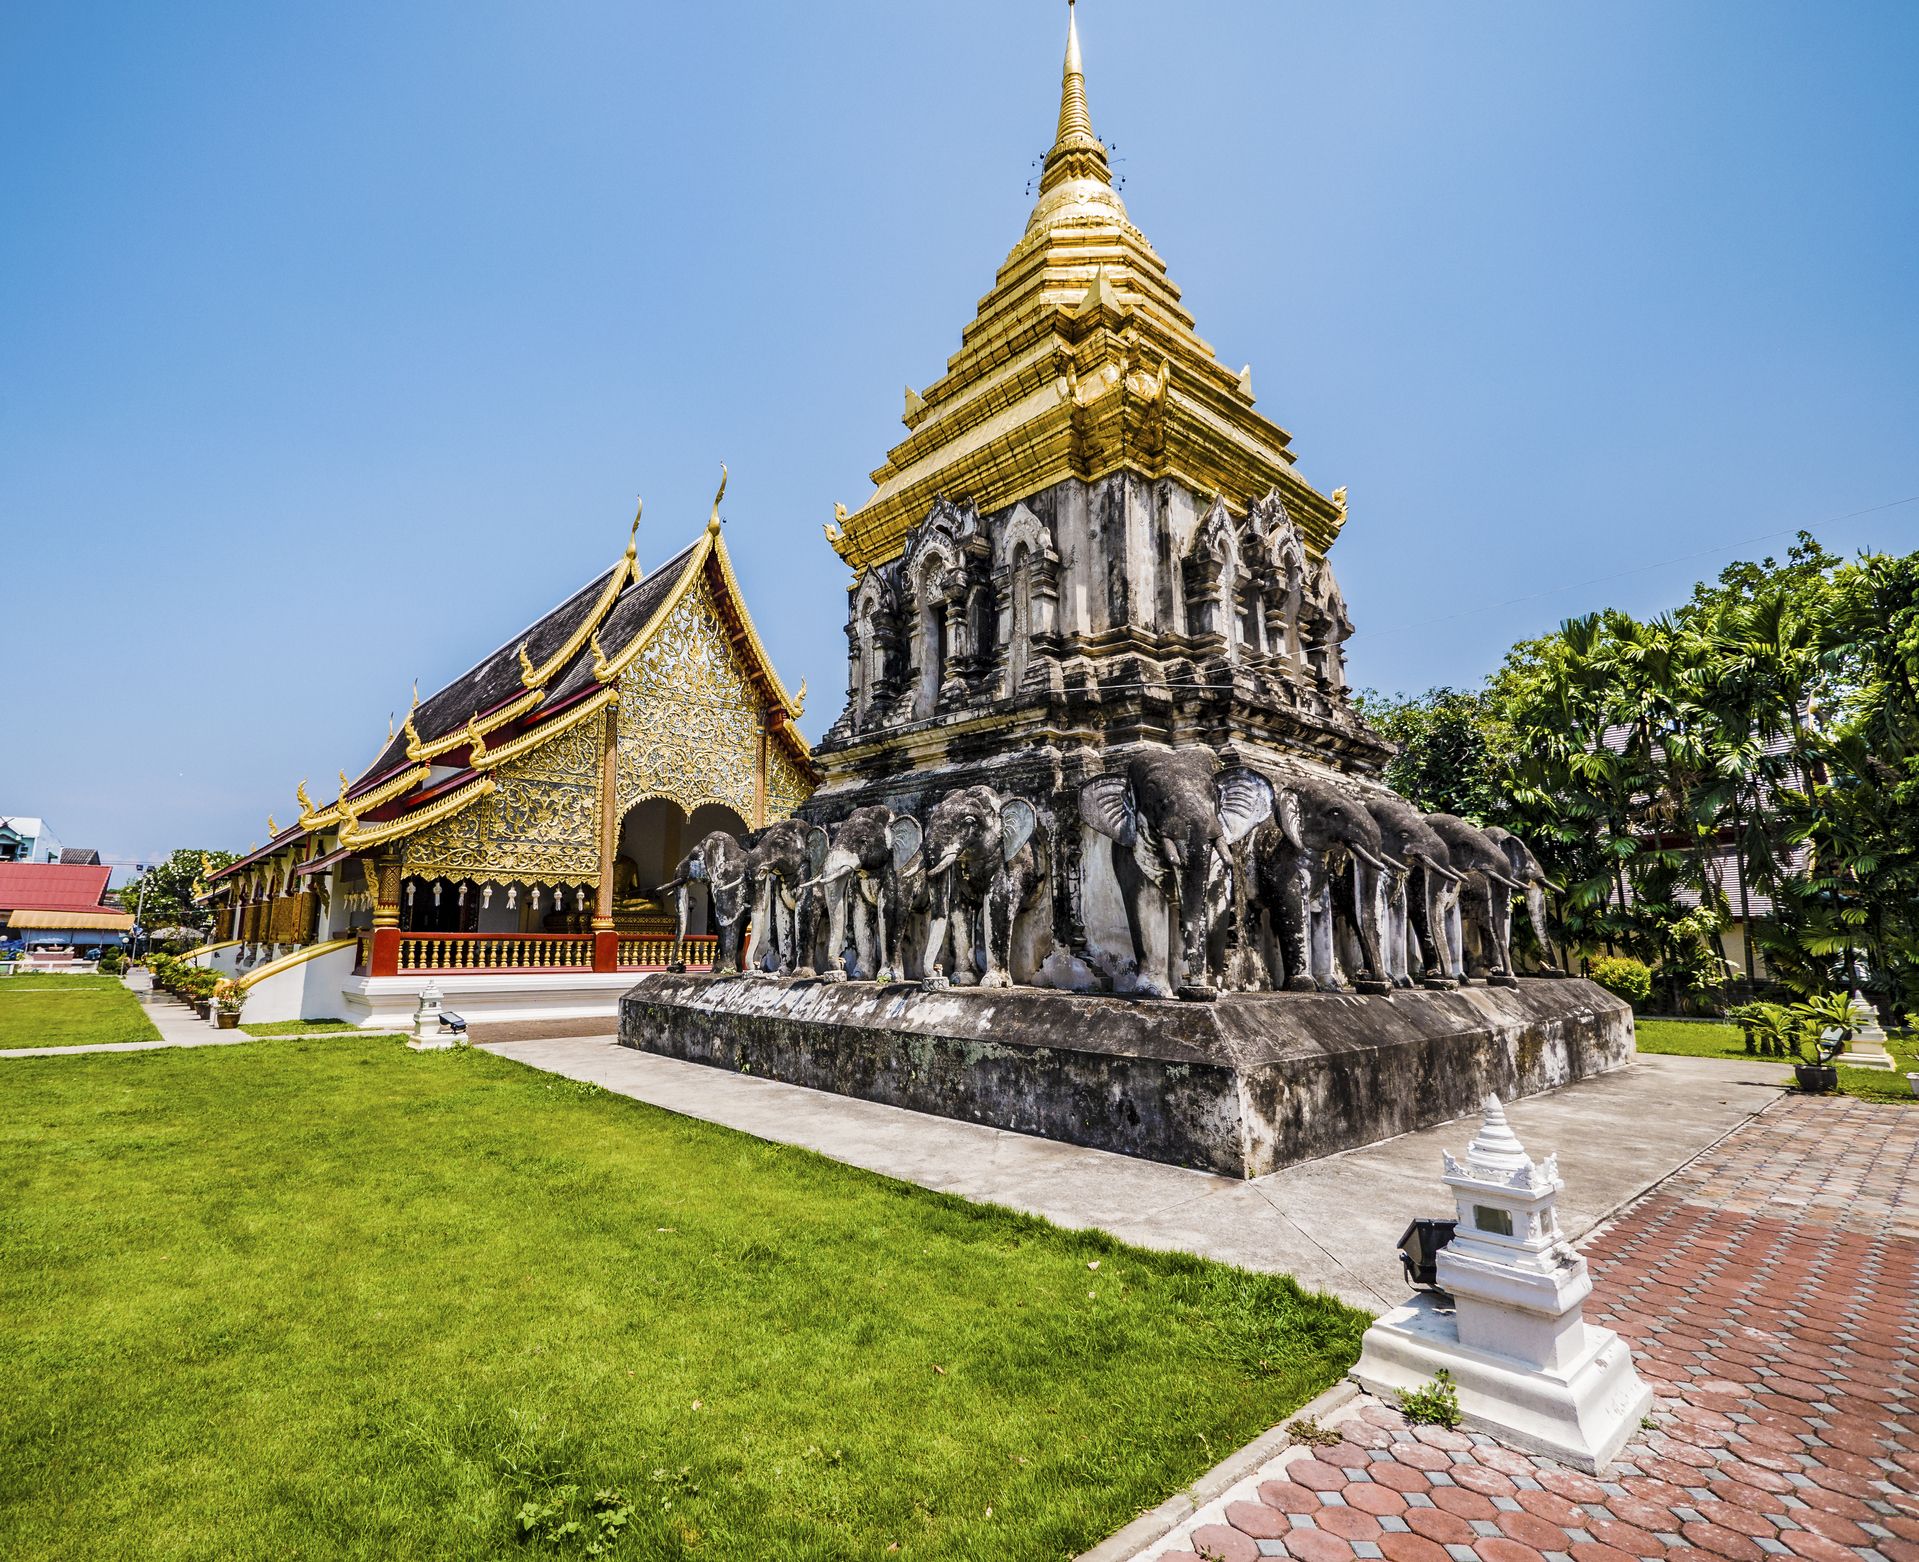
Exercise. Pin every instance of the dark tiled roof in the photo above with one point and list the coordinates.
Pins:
(625, 619)
(493, 680)
(79, 856)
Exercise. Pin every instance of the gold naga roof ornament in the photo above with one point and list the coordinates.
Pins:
(300, 797)
(529, 674)
(713, 520)
(413, 744)
(272, 828)
(836, 530)
(1339, 496)
(602, 669)
(633, 570)
(799, 700)
(476, 738)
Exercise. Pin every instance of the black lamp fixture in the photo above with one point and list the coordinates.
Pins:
(1419, 1250)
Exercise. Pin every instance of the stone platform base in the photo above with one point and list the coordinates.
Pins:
(1243, 1086)
(1582, 1415)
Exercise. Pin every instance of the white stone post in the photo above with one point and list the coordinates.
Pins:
(1526, 1365)
(426, 1021)
(1867, 1049)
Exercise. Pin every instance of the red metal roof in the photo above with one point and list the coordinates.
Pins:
(52, 886)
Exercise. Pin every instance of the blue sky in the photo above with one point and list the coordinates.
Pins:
(335, 342)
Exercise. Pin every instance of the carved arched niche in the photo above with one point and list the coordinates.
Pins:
(1026, 569)
(1212, 580)
(876, 643)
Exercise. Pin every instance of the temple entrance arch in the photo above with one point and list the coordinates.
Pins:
(654, 834)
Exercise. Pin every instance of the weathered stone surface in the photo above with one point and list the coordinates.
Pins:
(1241, 1087)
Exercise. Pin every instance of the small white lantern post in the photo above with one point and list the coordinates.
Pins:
(426, 1021)
(1526, 1365)
(1867, 1049)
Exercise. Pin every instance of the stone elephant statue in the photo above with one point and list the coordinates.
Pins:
(1415, 891)
(782, 861)
(718, 861)
(1483, 901)
(1306, 866)
(863, 882)
(1529, 872)
(983, 868)
(1172, 815)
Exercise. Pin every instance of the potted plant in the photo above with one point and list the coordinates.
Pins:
(1823, 1027)
(228, 1000)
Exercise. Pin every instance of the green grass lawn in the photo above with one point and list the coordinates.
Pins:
(338, 1299)
(1691, 1038)
(298, 1027)
(38, 1010)
(1699, 1040)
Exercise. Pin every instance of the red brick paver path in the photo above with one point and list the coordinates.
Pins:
(1771, 1295)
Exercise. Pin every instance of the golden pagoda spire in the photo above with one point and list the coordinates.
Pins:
(1077, 156)
(1074, 120)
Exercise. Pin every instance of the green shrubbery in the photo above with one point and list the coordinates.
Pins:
(1623, 977)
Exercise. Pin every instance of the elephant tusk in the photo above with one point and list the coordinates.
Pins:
(1394, 863)
(1365, 856)
(1443, 871)
(1511, 884)
(945, 862)
(1557, 889)
(729, 887)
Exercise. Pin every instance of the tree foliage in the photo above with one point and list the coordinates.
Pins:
(170, 887)
(1753, 754)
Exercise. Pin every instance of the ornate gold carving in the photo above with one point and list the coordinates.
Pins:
(539, 825)
(526, 742)
(478, 751)
(529, 674)
(690, 718)
(359, 836)
(713, 520)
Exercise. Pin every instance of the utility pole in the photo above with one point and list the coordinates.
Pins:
(140, 912)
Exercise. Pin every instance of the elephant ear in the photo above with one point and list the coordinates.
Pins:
(1017, 822)
(816, 847)
(1106, 803)
(1245, 801)
(1518, 858)
(905, 837)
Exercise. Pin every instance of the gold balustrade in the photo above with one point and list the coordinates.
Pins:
(652, 951)
(496, 952)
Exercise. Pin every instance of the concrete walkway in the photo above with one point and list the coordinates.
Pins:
(1766, 1292)
(177, 1024)
(1332, 1223)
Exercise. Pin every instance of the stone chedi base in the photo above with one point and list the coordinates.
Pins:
(1523, 1360)
(1240, 1087)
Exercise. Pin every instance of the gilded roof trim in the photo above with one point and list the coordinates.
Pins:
(358, 837)
(609, 670)
(365, 802)
(547, 730)
(786, 701)
(625, 572)
(462, 737)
